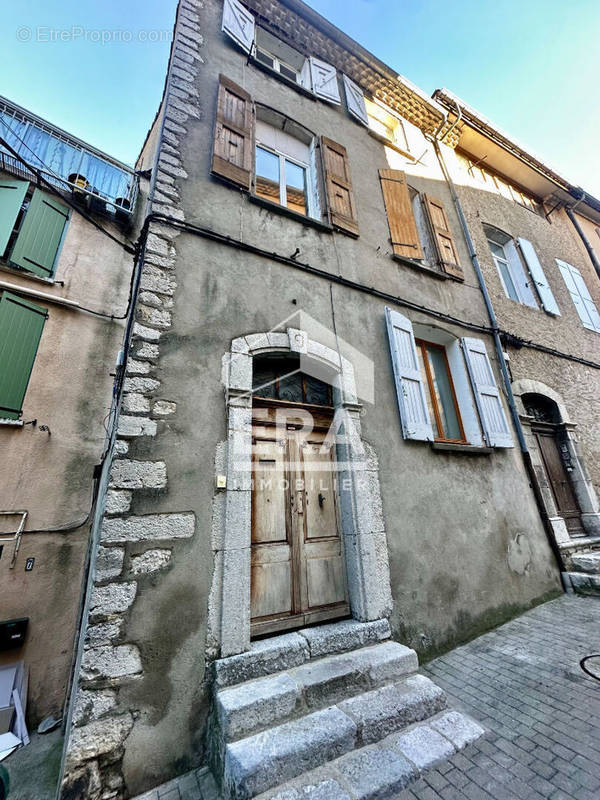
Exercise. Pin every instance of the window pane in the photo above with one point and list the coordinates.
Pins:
(288, 72)
(507, 278)
(443, 393)
(267, 175)
(295, 186)
(265, 58)
(496, 249)
(316, 391)
(290, 387)
(425, 381)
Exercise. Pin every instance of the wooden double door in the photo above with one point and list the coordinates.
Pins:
(298, 573)
(558, 478)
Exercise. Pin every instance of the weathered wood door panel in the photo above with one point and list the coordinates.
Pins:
(558, 480)
(298, 571)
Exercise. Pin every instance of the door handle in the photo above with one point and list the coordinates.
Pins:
(300, 504)
(321, 500)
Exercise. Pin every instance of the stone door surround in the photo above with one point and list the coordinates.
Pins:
(362, 524)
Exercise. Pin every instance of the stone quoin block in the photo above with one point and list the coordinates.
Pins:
(98, 738)
(117, 501)
(164, 408)
(127, 474)
(112, 599)
(148, 527)
(150, 561)
(91, 704)
(104, 633)
(136, 426)
(141, 385)
(101, 663)
(135, 403)
(109, 563)
(135, 367)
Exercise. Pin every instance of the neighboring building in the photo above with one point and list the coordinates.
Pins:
(305, 262)
(56, 360)
(530, 228)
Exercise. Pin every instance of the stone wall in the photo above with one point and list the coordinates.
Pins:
(135, 548)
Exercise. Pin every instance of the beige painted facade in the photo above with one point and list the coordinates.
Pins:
(49, 471)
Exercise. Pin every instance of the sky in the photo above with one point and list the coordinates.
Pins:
(530, 66)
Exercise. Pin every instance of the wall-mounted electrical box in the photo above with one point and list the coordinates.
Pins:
(12, 633)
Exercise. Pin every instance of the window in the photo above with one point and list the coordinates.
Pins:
(280, 378)
(445, 387)
(510, 267)
(382, 122)
(419, 226)
(439, 390)
(284, 172)
(280, 57)
(32, 225)
(21, 324)
(586, 308)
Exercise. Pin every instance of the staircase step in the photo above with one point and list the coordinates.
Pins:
(382, 711)
(251, 706)
(280, 653)
(584, 582)
(586, 562)
(380, 771)
(257, 763)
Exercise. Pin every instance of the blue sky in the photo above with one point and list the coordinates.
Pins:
(528, 65)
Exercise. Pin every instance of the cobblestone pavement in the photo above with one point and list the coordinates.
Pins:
(521, 681)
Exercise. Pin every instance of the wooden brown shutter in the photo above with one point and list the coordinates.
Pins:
(446, 249)
(233, 147)
(338, 186)
(403, 228)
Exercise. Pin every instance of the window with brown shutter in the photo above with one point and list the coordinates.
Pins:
(403, 228)
(446, 248)
(338, 186)
(233, 147)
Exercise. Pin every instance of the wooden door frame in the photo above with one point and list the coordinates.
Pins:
(361, 518)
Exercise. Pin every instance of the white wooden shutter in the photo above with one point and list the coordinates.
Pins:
(539, 278)
(412, 402)
(238, 23)
(487, 396)
(586, 308)
(519, 276)
(355, 100)
(324, 81)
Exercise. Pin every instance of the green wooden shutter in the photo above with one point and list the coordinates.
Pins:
(21, 324)
(41, 232)
(12, 194)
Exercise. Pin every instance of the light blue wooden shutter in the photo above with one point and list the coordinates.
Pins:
(520, 277)
(586, 308)
(412, 402)
(238, 23)
(324, 80)
(539, 278)
(12, 194)
(21, 324)
(487, 396)
(41, 233)
(355, 100)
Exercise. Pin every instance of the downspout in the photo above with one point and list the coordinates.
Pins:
(583, 237)
(506, 377)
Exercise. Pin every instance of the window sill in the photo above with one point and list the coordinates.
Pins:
(286, 212)
(4, 267)
(282, 79)
(464, 449)
(434, 273)
(11, 423)
(387, 143)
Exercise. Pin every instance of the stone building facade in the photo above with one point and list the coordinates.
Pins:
(301, 222)
(64, 285)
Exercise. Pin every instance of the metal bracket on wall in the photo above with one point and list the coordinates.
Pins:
(16, 536)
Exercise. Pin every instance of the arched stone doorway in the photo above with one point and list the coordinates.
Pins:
(355, 558)
(569, 495)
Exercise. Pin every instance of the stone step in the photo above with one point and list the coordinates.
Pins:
(280, 653)
(248, 707)
(585, 583)
(380, 771)
(586, 562)
(264, 760)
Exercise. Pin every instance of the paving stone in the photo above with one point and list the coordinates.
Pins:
(267, 759)
(383, 711)
(422, 745)
(343, 636)
(375, 773)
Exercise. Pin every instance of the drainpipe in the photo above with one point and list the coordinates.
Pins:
(506, 377)
(584, 239)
